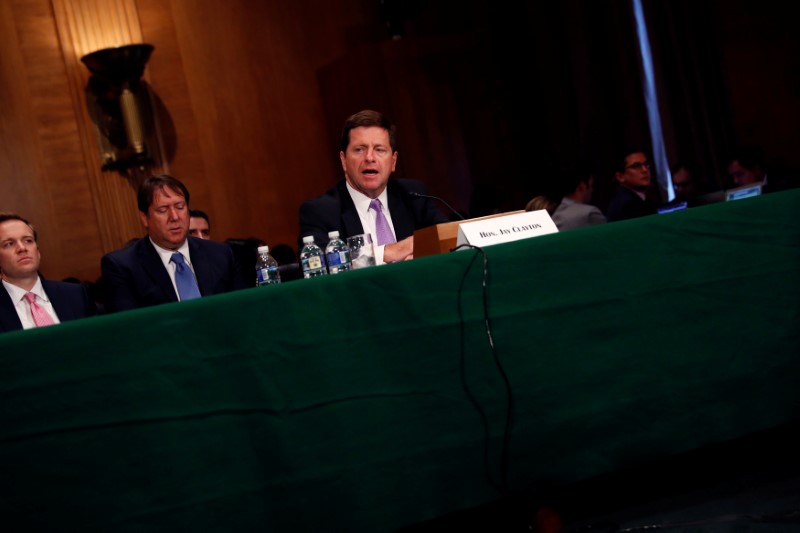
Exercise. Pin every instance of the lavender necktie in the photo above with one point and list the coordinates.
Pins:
(384, 232)
(184, 279)
(39, 314)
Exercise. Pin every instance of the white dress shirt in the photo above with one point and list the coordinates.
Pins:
(166, 258)
(367, 217)
(17, 295)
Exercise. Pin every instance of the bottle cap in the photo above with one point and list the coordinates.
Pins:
(333, 234)
(263, 249)
(308, 239)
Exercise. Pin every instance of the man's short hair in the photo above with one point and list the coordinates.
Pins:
(368, 118)
(13, 216)
(148, 188)
(196, 213)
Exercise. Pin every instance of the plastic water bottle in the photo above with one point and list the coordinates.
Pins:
(337, 254)
(266, 268)
(312, 259)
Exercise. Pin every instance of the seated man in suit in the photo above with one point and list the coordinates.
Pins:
(574, 210)
(28, 300)
(166, 265)
(633, 182)
(366, 200)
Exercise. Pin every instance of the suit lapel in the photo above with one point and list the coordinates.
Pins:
(351, 222)
(154, 268)
(60, 303)
(402, 222)
(203, 268)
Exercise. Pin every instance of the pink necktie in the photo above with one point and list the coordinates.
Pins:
(40, 316)
(384, 232)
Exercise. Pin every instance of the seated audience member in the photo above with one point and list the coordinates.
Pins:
(630, 200)
(747, 166)
(366, 200)
(166, 265)
(542, 201)
(199, 225)
(27, 300)
(574, 210)
(687, 187)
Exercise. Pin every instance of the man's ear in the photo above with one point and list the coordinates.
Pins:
(142, 218)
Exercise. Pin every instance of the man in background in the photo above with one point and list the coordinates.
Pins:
(27, 300)
(633, 182)
(366, 200)
(574, 210)
(166, 265)
(199, 225)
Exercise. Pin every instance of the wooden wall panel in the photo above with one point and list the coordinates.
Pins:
(46, 180)
(248, 119)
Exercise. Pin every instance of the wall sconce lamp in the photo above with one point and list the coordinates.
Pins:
(119, 104)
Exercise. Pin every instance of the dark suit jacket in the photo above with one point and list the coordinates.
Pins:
(335, 210)
(626, 204)
(70, 300)
(135, 277)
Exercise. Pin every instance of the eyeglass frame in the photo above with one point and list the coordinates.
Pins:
(638, 165)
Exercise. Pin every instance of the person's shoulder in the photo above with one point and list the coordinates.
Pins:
(208, 245)
(407, 185)
(129, 250)
(330, 196)
(63, 286)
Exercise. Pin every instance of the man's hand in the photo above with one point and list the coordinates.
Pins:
(399, 251)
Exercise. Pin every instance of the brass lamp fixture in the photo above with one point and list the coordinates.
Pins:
(119, 104)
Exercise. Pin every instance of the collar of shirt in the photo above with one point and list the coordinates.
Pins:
(166, 255)
(367, 217)
(21, 306)
(641, 195)
(17, 293)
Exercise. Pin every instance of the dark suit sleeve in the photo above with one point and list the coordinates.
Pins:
(117, 285)
(318, 216)
(238, 272)
(71, 301)
(424, 211)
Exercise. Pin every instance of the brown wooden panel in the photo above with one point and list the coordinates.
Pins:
(239, 83)
(51, 185)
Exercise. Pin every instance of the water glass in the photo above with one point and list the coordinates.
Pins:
(362, 251)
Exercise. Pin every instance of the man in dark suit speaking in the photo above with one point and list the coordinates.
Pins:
(366, 200)
(166, 265)
(27, 300)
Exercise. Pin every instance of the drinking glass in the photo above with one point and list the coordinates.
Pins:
(362, 251)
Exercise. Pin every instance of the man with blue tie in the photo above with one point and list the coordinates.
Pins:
(27, 300)
(166, 265)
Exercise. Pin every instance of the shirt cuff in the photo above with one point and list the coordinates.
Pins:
(379, 254)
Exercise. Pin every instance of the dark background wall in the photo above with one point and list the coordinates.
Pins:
(488, 97)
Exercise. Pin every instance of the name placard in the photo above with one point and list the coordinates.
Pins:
(506, 228)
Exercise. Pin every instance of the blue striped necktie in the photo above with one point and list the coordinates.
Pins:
(184, 279)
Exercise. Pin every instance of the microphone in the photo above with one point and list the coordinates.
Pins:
(450, 207)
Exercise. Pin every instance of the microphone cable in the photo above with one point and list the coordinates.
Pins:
(502, 486)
